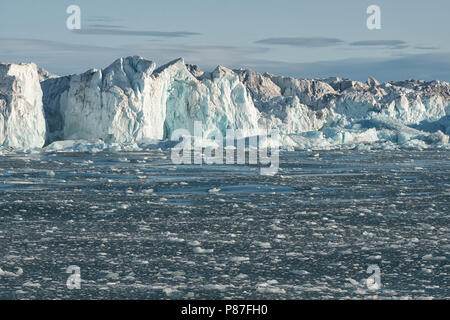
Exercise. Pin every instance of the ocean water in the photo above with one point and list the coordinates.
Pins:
(139, 227)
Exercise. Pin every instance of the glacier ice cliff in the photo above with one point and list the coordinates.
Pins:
(322, 113)
(134, 102)
(22, 122)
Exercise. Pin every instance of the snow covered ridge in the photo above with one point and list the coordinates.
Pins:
(134, 103)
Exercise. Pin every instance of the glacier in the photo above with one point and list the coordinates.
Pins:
(22, 122)
(133, 101)
(134, 104)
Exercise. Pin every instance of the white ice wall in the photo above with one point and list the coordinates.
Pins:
(22, 123)
(134, 101)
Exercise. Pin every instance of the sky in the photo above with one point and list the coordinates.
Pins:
(300, 38)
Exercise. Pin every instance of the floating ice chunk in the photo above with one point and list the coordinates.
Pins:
(89, 146)
(170, 291)
(270, 287)
(202, 251)
(219, 287)
(18, 273)
(32, 284)
(300, 272)
(239, 259)
(50, 173)
(175, 239)
(275, 227)
(265, 245)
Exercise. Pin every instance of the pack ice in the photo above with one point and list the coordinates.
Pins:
(133, 102)
(22, 123)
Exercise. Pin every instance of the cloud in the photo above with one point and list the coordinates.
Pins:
(106, 26)
(314, 42)
(109, 26)
(119, 31)
(102, 19)
(430, 66)
(57, 57)
(394, 44)
(208, 56)
(426, 48)
(36, 45)
(318, 42)
(66, 58)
